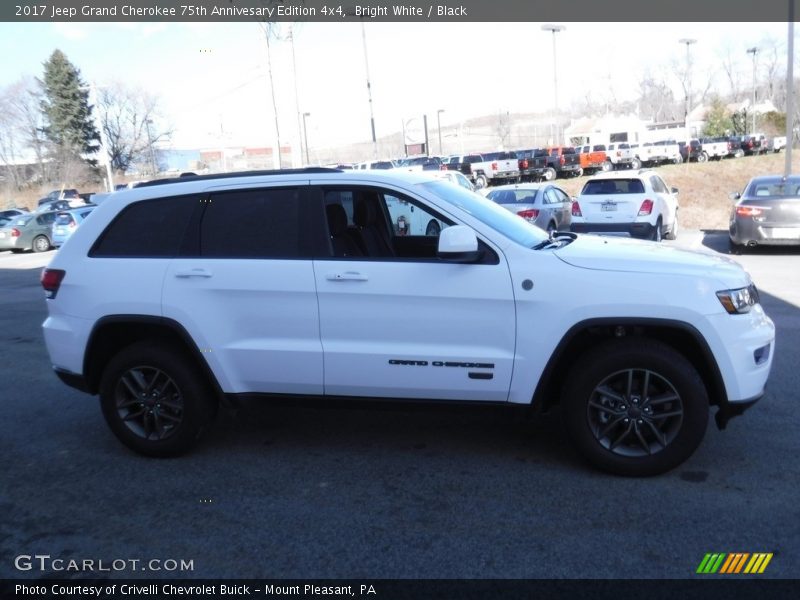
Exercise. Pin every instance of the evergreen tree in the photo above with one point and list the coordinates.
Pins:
(69, 126)
(718, 120)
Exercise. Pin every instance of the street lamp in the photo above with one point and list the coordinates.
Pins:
(439, 127)
(554, 29)
(754, 52)
(147, 124)
(305, 134)
(688, 107)
(369, 92)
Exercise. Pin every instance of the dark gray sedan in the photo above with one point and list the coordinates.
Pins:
(767, 213)
(542, 204)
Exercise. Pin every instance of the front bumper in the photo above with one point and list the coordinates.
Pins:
(728, 410)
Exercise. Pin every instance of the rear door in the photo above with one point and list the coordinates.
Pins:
(243, 287)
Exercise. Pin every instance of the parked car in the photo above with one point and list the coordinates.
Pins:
(51, 205)
(533, 165)
(565, 161)
(776, 144)
(454, 177)
(692, 151)
(541, 204)
(622, 155)
(716, 147)
(61, 194)
(594, 158)
(157, 307)
(637, 204)
(66, 222)
(766, 213)
(13, 212)
(376, 164)
(28, 232)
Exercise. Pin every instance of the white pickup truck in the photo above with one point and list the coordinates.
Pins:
(662, 152)
(622, 155)
(776, 144)
(716, 147)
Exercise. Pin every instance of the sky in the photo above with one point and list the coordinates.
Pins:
(213, 85)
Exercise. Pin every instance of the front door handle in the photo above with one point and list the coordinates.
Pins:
(346, 276)
(193, 273)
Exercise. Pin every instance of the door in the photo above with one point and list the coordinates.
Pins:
(244, 289)
(404, 324)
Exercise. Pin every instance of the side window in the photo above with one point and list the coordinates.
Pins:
(261, 223)
(409, 218)
(151, 228)
(561, 196)
(551, 197)
(658, 186)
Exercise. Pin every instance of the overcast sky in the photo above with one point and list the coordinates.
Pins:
(213, 77)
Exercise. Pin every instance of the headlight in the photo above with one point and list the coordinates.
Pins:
(739, 301)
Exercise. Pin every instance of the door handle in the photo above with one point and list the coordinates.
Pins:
(193, 273)
(346, 276)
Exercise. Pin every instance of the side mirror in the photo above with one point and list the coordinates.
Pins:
(674, 190)
(734, 195)
(458, 244)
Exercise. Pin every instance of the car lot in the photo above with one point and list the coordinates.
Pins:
(302, 492)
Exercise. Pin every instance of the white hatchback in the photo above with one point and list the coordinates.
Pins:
(636, 204)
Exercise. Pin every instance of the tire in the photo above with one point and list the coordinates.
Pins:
(481, 181)
(549, 174)
(607, 166)
(672, 234)
(579, 172)
(677, 160)
(636, 164)
(734, 248)
(739, 153)
(655, 236)
(702, 157)
(635, 407)
(132, 408)
(433, 229)
(551, 227)
(40, 244)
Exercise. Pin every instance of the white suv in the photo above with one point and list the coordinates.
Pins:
(638, 204)
(297, 283)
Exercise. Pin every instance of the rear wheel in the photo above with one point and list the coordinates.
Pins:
(702, 157)
(635, 407)
(607, 166)
(739, 153)
(636, 164)
(677, 160)
(481, 181)
(655, 235)
(40, 244)
(549, 174)
(155, 400)
(672, 234)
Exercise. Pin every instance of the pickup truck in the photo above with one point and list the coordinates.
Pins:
(564, 160)
(754, 144)
(533, 165)
(715, 148)
(622, 156)
(417, 163)
(485, 169)
(776, 144)
(656, 153)
(594, 158)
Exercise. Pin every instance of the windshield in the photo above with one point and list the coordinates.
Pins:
(613, 186)
(489, 213)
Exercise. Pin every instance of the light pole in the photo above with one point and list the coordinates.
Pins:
(688, 107)
(147, 123)
(369, 93)
(754, 52)
(439, 127)
(305, 134)
(554, 29)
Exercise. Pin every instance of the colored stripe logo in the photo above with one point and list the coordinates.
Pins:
(734, 563)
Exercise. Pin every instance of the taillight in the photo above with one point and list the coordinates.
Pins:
(51, 281)
(529, 215)
(576, 209)
(646, 208)
(15, 232)
(523, 164)
(749, 211)
(561, 159)
(494, 166)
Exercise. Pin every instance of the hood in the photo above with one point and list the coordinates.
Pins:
(637, 256)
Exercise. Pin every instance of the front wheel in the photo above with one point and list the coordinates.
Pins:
(155, 400)
(636, 164)
(702, 157)
(607, 166)
(677, 160)
(481, 181)
(635, 407)
(549, 174)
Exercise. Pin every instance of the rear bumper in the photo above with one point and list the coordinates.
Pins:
(639, 230)
(745, 231)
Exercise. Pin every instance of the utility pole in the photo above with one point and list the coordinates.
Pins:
(369, 92)
(439, 128)
(147, 124)
(554, 29)
(305, 135)
(688, 106)
(754, 52)
(787, 169)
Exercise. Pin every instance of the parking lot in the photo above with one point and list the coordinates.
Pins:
(286, 492)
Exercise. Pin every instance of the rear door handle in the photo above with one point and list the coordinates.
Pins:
(193, 273)
(346, 276)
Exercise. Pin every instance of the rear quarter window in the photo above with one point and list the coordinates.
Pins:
(150, 228)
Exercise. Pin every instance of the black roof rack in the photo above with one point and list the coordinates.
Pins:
(194, 177)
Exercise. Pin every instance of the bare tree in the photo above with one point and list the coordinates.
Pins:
(731, 66)
(129, 118)
(21, 137)
(656, 100)
(503, 128)
(771, 53)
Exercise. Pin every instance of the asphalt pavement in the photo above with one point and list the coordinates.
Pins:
(287, 492)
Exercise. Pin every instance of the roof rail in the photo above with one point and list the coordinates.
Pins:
(194, 177)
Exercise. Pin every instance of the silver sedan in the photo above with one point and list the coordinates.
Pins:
(542, 204)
